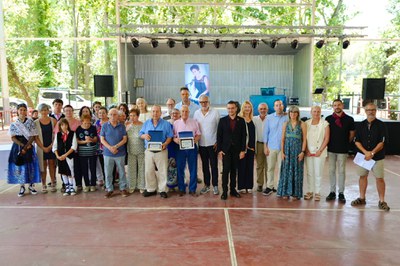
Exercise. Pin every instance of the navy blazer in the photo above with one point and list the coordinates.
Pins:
(228, 139)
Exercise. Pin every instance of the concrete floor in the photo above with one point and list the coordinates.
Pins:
(87, 229)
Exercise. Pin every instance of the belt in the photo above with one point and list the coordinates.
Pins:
(155, 151)
(260, 142)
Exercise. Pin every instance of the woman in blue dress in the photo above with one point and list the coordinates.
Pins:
(23, 165)
(293, 148)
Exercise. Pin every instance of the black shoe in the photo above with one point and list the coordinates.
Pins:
(234, 193)
(148, 194)
(32, 189)
(267, 192)
(21, 191)
(273, 190)
(342, 199)
(224, 196)
(259, 188)
(164, 195)
(332, 196)
(181, 193)
(193, 194)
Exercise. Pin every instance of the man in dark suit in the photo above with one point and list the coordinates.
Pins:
(231, 145)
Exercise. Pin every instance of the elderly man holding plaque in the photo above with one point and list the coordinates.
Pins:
(157, 134)
(186, 135)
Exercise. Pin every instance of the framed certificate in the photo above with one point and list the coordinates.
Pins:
(186, 140)
(186, 143)
(154, 146)
(155, 142)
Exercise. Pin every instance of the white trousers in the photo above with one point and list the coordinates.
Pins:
(315, 169)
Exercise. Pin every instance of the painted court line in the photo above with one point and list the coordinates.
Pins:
(230, 238)
(393, 173)
(190, 208)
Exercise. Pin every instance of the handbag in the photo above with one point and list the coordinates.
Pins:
(20, 160)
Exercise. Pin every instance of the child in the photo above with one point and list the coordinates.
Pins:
(64, 148)
(87, 138)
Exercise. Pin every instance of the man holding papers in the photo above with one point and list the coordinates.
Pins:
(157, 134)
(186, 135)
(370, 140)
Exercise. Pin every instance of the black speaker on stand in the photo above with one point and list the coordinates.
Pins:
(104, 86)
(373, 88)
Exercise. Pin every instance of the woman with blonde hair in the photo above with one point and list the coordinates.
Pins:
(141, 104)
(293, 143)
(246, 165)
(316, 152)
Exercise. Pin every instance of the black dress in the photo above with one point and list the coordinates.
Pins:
(47, 134)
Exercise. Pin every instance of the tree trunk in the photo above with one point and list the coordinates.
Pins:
(14, 75)
(107, 57)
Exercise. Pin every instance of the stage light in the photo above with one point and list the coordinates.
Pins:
(345, 44)
(294, 44)
(186, 43)
(273, 43)
(201, 43)
(235, 43)
(171, 43)
(154, 43)
(135, 42)
(217, 43)
(319, 44)
(254, 43)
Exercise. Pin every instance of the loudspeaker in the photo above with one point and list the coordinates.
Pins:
(373, 88)
(103, 85)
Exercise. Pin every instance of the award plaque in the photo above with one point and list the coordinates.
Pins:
(186, 140)
(155, 142)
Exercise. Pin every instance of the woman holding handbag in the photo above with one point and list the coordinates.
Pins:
(23, 166)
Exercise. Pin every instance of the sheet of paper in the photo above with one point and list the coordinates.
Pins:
(360, 160)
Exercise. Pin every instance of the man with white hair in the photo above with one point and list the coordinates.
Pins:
(259, 121)
(156, 158)
(113, 137)
(208, 119)
(189, 155)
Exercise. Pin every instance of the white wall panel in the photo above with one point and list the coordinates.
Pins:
(232, 77)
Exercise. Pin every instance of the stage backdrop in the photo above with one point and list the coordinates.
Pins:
(232, 77)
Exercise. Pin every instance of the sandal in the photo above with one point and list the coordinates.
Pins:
(44, 189)
(383, 206)
(359, 201)
(317, 197)
(308, 196)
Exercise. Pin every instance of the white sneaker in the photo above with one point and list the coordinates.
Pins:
(215, 190)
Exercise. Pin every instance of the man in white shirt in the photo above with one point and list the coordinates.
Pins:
(208, 119)
(259, 121)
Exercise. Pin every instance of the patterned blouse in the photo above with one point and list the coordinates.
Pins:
(135, 143)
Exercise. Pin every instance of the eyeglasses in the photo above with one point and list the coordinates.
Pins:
(370, 110)
(203, 102)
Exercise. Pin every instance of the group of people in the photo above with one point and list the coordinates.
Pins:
(149, 151)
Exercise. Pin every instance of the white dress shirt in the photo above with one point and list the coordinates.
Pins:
(208, 126)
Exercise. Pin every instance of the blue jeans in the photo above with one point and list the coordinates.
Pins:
(191, 157)
(108, 169)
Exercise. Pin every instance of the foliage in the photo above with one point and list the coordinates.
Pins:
(51, 63)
